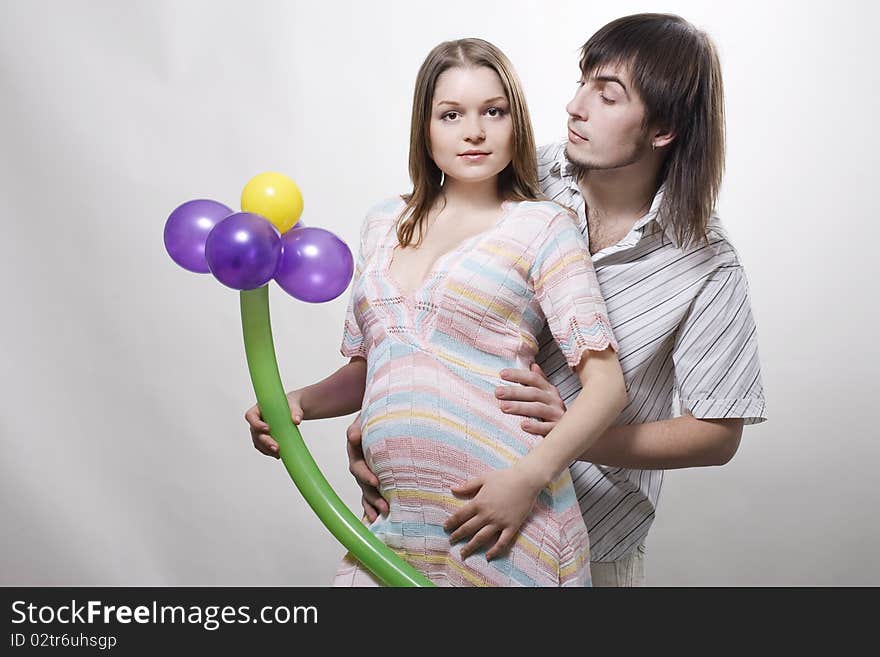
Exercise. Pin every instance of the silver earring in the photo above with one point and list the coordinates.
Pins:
(653, 146)
(442, 178)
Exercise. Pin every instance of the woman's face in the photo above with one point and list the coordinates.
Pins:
(471, 132)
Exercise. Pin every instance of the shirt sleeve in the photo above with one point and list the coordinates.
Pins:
(717, 370)
(353, 343)
(567, 290)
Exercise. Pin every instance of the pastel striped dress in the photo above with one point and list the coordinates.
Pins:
(430, 418)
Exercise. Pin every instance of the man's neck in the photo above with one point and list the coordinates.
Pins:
(615, 199)
(617, 196)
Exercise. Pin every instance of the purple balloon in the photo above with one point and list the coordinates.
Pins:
(315, 265)
(187, 229)
(243, 251)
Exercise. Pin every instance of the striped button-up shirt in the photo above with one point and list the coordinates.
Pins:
(687, 341)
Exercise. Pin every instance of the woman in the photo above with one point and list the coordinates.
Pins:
(453, 284)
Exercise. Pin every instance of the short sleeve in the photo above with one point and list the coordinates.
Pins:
(717, 370)
(567, 290)
(353, 343)
(352, 336)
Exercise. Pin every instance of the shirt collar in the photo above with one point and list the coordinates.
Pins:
(562, 167)
(661, 221)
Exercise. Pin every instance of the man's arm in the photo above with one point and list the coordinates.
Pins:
(682, 442)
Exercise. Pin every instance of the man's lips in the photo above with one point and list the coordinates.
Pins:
(576, 135)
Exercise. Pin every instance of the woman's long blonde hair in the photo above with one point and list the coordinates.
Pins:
(519, 179)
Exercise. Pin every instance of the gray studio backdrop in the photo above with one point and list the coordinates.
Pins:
(125, 459)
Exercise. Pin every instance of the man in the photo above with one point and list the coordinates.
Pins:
(642, 167)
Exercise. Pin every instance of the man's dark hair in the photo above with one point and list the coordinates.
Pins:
(675, 70)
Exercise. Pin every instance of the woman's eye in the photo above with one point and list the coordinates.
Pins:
(580, 83)
(606, 100)
(495, 111)
(451, 116)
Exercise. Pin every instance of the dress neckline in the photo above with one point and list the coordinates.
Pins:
(460, 249)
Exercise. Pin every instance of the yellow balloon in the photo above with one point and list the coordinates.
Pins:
(275, 197)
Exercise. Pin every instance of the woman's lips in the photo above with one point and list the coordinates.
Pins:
(474, 156)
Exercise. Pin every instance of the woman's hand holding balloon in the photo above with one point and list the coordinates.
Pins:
(260, 431)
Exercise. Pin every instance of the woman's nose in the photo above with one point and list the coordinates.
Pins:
(474, 130)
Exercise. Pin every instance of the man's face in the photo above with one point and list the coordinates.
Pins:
(605, 121)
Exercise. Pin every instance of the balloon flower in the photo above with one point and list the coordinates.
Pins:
(245, 251)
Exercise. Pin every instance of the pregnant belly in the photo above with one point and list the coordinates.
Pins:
(424, 418)
(422, 439)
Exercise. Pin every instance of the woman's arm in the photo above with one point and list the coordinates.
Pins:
(340, 393)
(600, 401)
(502, 499)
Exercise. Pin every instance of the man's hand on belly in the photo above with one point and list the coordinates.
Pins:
(371, 500)
(535, 399)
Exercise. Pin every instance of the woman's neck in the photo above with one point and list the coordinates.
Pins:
(482, 195)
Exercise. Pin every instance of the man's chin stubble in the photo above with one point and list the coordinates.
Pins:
(580, 168)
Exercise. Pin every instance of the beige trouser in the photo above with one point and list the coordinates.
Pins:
(627, 571)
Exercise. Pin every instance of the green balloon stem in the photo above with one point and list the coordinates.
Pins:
(377, 557)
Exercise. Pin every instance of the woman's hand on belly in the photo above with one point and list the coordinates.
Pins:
(501, 502)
